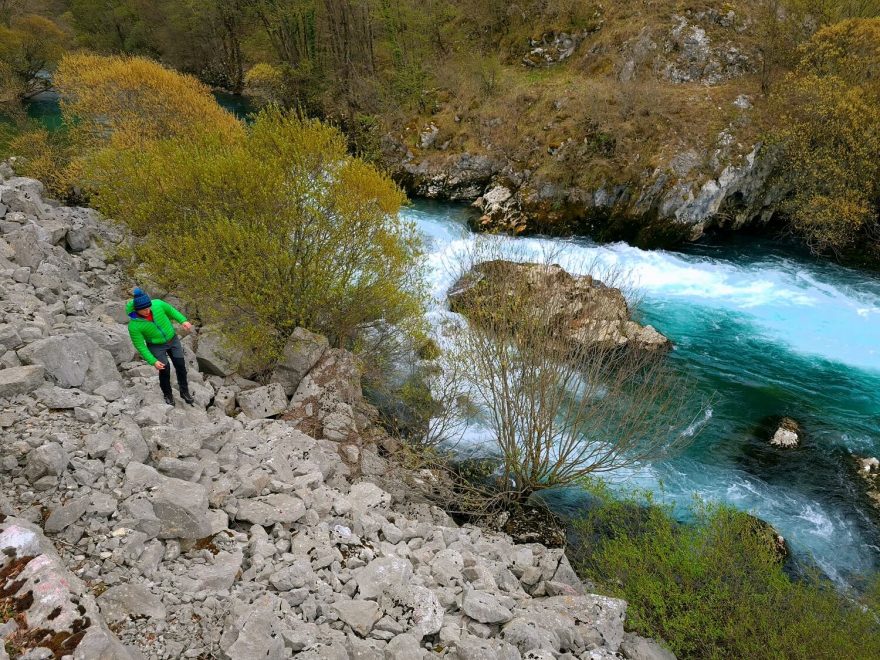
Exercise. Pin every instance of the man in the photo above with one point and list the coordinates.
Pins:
(154, 337)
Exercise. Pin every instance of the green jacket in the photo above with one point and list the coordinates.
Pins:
(158, 331)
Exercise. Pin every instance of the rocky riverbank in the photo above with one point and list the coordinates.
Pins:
(645, 128)
(265, 521)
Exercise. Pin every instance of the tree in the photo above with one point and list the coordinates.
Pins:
(830, 136)
(29, 49)
(558, 410)
(266, 233)
(131, 100)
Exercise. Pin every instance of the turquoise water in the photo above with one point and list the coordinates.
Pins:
(761, 330)
(44, 108)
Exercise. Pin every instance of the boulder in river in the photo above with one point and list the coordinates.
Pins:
(586, 312)
(788, 434)
(869, 471)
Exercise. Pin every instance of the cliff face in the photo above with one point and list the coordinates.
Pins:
(249, 525)
(645, 127)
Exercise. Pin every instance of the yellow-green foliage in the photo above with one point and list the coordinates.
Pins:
(715, 589)
(31, 45)
(117, 103)
(129, 100)
(276, 229)
(829, 130)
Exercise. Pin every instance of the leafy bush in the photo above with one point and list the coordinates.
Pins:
(278, 229)
(716, 589)
(829, 130)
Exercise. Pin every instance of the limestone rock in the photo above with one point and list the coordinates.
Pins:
(582, 310)
(634, 647)
(263, 402)
(301, 353)
(49, 459)
(484, 607)
(271, 509)
(20, 380)
(787, 436)
(130, 600)
(215, 355)
(359, 615)
(72, 361)
(381, 574)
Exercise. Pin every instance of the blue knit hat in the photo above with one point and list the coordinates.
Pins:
(141, 299)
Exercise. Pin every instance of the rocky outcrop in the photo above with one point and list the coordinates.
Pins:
(582, 308)
(218, 531)
(44, 606)
(868, 469)
(552, 48)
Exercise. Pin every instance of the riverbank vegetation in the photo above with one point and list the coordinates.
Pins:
(715, 588)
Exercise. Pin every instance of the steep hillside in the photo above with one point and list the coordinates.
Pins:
(650, 113)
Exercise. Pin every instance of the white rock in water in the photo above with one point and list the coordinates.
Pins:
(784, 438)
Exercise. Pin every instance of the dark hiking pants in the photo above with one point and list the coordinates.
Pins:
(174, 351)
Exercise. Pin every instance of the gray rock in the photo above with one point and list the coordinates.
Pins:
(130, 600)
(404, 647)
(263, 402)
(470, 647)
(381, 574)
(20, 380)
(49, 459)
(423, 606)
(59, 398)
(484, 607)
(220, 574)
(72, 361)
(293, 577)
(643, 648)
(271, 509)
(65, 515)
(9, 337)
(215, 355)
(180, 506)
(179, 469)
(359, 615)
(301, 353)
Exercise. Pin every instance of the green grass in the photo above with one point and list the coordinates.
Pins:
(715, 589)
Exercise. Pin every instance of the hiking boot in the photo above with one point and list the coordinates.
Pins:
(187, 397)
(169, 399)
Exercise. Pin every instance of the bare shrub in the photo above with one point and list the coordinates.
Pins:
(558, 410)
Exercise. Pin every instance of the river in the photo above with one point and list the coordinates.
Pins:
(761, 329)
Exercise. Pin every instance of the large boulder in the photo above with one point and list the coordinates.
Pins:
(301, 353)
(328, 402)
(72, 361)
(215, 354)
(20, 380)
(53, 606)
(580, 310)
(262, 402)
(181, 507)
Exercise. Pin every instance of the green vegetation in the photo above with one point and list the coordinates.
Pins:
(716, 589)
(830, 135)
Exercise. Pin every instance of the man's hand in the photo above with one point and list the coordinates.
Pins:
(159, 365)
(188, 326)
